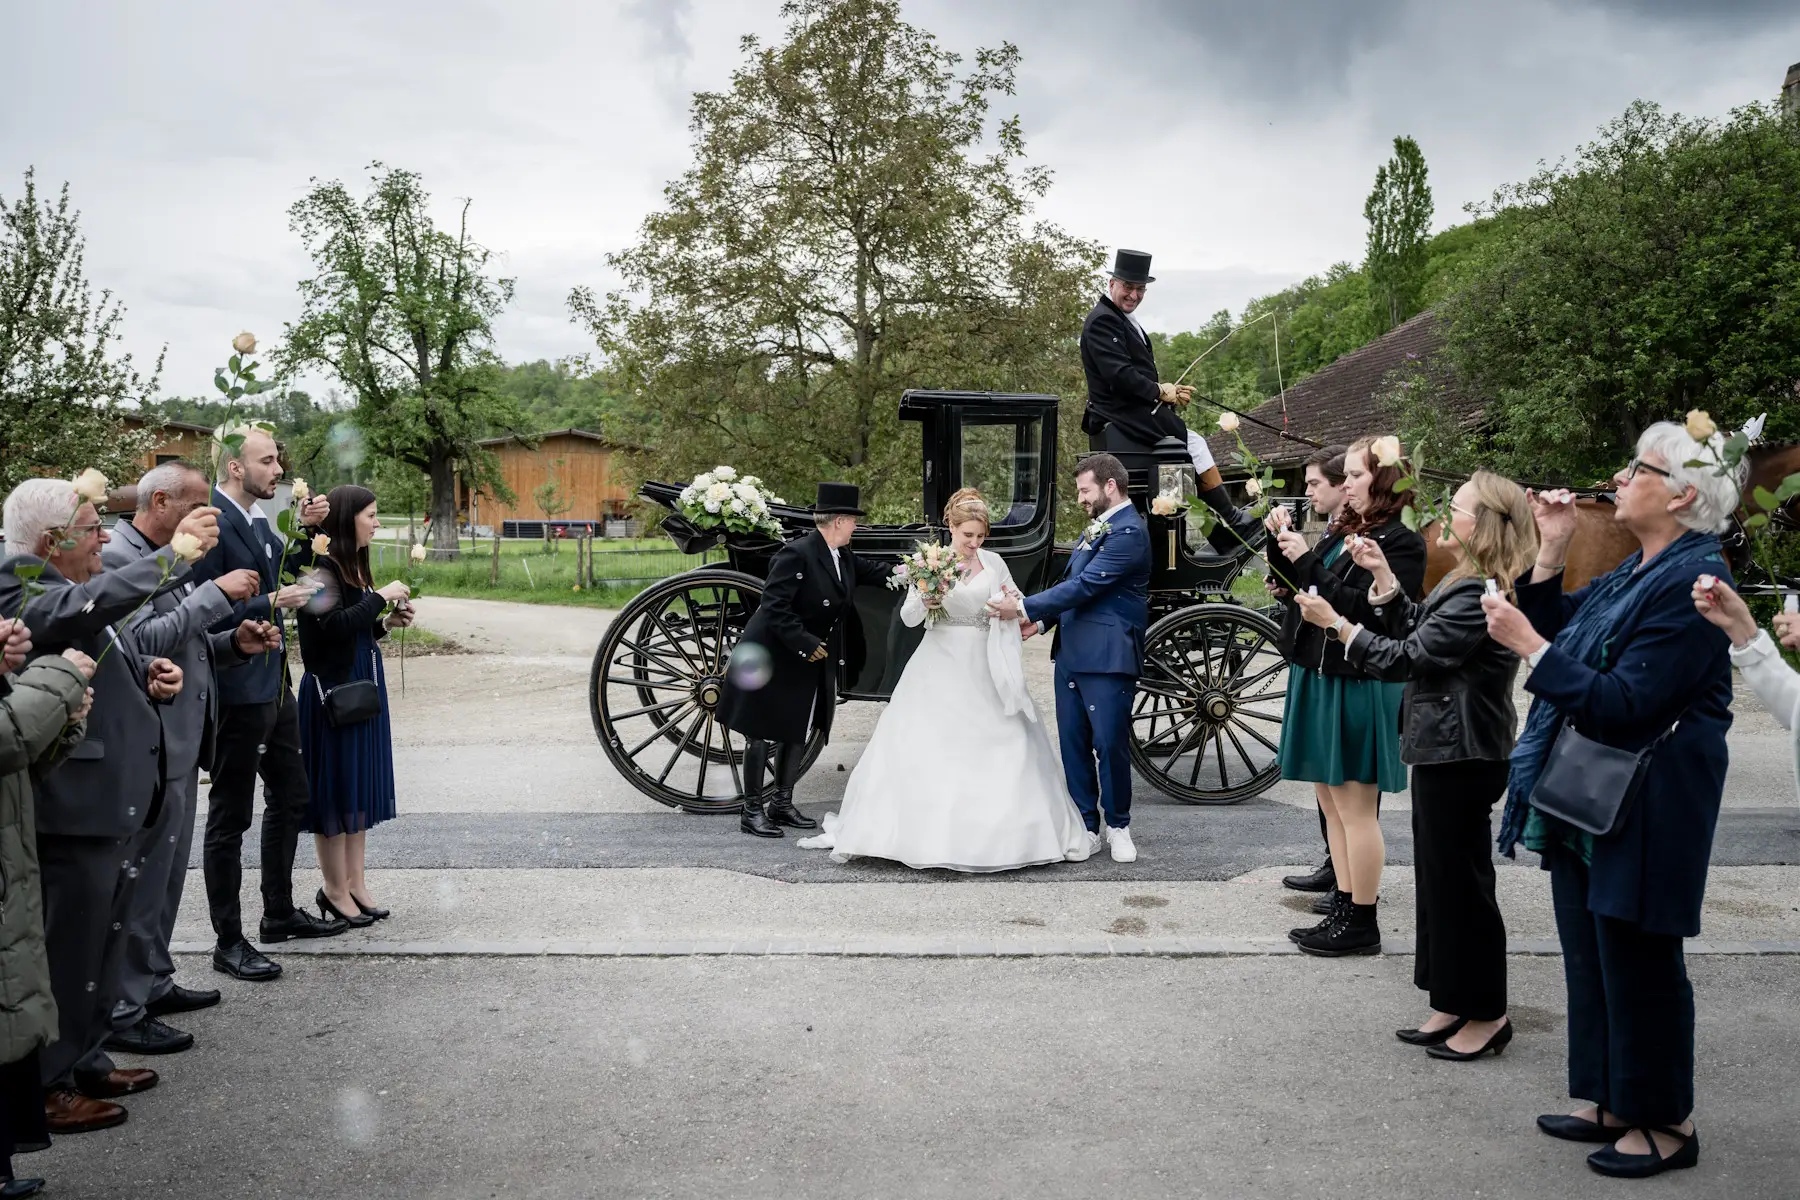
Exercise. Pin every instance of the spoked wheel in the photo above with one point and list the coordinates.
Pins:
(1206, 721)
(656, 683)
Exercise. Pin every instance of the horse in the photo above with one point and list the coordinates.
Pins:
(1601, 543)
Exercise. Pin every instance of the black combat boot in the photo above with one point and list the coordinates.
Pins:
(1335, 901)
(1352, 931)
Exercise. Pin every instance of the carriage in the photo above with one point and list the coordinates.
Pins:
(1206, 719)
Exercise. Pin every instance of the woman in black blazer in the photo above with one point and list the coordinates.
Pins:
(1341, 729)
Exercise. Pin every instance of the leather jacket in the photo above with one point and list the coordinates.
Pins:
(1346, 586)
(1458, 704)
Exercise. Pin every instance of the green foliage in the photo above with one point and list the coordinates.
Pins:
(401, 313)
(63, 389)
(852, 225)
(1657, 273)
(564, 395)
(1399, 215)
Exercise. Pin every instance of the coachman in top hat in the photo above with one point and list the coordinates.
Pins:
(1123, 387)
(803, 642)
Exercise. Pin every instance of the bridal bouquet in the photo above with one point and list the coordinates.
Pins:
(931, 570)
(739, 503)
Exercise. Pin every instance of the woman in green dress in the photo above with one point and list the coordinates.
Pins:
(1341, 730)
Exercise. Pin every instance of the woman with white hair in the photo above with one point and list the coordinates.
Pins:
(1626, 664)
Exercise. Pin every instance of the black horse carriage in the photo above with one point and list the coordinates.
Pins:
(1207, 718)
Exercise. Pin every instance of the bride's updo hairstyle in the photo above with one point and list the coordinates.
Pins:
(966, 505)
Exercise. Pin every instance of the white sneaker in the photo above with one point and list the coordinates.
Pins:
(1094, 843)
(1120, 841)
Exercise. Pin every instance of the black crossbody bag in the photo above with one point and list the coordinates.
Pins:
(353, 702)
(1591, 785)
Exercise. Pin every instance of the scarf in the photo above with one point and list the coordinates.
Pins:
(1612, 606)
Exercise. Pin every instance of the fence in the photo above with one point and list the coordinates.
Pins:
(525, 564)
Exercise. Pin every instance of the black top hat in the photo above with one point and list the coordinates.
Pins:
(839, 499)
(1133, 266)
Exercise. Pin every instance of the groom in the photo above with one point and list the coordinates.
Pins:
(1099, 609)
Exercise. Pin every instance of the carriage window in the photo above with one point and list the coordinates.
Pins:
(1000, 456)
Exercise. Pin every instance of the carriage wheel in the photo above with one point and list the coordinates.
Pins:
(1206, 720)
(657, 678)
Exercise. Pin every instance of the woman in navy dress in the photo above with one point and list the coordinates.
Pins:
(350, 768)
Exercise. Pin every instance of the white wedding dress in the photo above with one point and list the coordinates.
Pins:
(960, 773)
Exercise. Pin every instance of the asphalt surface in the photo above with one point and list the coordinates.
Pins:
(888, 1078)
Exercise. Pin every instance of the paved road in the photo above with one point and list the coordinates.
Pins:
(1257, 1077)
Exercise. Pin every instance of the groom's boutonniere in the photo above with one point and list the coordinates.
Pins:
(1094, 532)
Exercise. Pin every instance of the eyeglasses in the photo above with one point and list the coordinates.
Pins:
(75, 531)
(1132, 289)
(1638, 464)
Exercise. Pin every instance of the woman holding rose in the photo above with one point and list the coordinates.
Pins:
(1629, 663)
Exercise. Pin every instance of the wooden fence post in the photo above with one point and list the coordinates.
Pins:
(494, 568)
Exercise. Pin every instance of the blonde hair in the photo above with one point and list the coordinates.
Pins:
(1504, 542)
(967, 505)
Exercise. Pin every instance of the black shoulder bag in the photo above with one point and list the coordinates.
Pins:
(1592, 785)
(353, 702)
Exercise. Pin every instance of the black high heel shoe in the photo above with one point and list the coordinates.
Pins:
(1611, 1161)
(361, 920)
(1435, 1037)
(1496, 1043)
(374, 914)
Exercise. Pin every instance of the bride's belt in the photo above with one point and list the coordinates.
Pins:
(973, 621)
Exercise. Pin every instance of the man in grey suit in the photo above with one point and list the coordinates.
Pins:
(91, 809)
(174, 624)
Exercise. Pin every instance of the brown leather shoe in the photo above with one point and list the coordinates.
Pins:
(68, 1111)
(121, 1082)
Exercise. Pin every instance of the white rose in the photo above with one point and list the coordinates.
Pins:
(244, 343)
(1228, 421)
(1387, 451)
(302, 489)
(719, 493)
(689, 494)
(703, 481)
(1253, 487)
(186, 547)
(753, 481)
(90, 485)
(712, 506)
(1164, 505)
(724, 472)
(321, 544)
(418, 553)
(1700, 425)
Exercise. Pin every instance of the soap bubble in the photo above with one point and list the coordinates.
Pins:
(750, 667)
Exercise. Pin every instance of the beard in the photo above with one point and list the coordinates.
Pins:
(1094, 508)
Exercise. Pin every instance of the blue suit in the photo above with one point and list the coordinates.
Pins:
(1099, 611)
(257, 546)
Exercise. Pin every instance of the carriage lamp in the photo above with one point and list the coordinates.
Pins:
(1177, 479)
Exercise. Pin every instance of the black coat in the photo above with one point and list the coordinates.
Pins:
(1459, 681)
(805, 604)
(1346, 587)
(1121, 379)
(329, 640)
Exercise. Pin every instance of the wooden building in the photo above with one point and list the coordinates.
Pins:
(180, 439)
(581, 462)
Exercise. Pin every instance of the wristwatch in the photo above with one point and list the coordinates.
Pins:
(1536, 656)
(1337, 628)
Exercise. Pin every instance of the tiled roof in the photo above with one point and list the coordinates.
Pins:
(1339, 402)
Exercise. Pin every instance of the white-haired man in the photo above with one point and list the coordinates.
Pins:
(92, 809)
(176, 624)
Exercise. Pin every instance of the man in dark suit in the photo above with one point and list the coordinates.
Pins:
(1099, 610)
(803, 642)
(175, 624)
(1124, 391)
(92, 809)
(258, 729)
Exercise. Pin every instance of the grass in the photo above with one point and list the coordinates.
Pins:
(621, 569)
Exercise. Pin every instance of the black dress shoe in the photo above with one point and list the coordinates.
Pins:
(1501, 1038)
(1421, 1037)
(13, 1189)
(781, 810)
(179, 1000)
(1611, 1161)
(1321, 880)
(328, 910)
(241, 960)
(379, 914)
(1571, 1128)
(149, 1036)
(298, 924)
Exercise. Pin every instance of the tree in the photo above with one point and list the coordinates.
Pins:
(1399, 214)
(64, 390)
(1655, 274)
(564, 395)
(552, 500)
(402, 314)
(850, 227)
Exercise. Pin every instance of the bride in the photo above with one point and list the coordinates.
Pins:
(960, 773)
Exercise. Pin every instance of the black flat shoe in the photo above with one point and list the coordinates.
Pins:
(1571, 1128)
(241, 960)
(1496, 1043)
(378, 914)
(149, 1036)
(1611, 1161)
(298, 924)
(327, 909)
(1436, 1037)
(179, 999)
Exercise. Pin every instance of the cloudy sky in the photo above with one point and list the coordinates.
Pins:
(1234, 141)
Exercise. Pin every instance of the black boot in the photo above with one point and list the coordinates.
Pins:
(754, 820)
(1352, 931)
(1335, 901)
(787, 773)
(1322, 880)
(1247, 528)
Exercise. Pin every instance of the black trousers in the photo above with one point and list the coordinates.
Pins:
(1631, 1007)
(89, 883)
(254, 740)
(788, 759)
(1461, 953)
